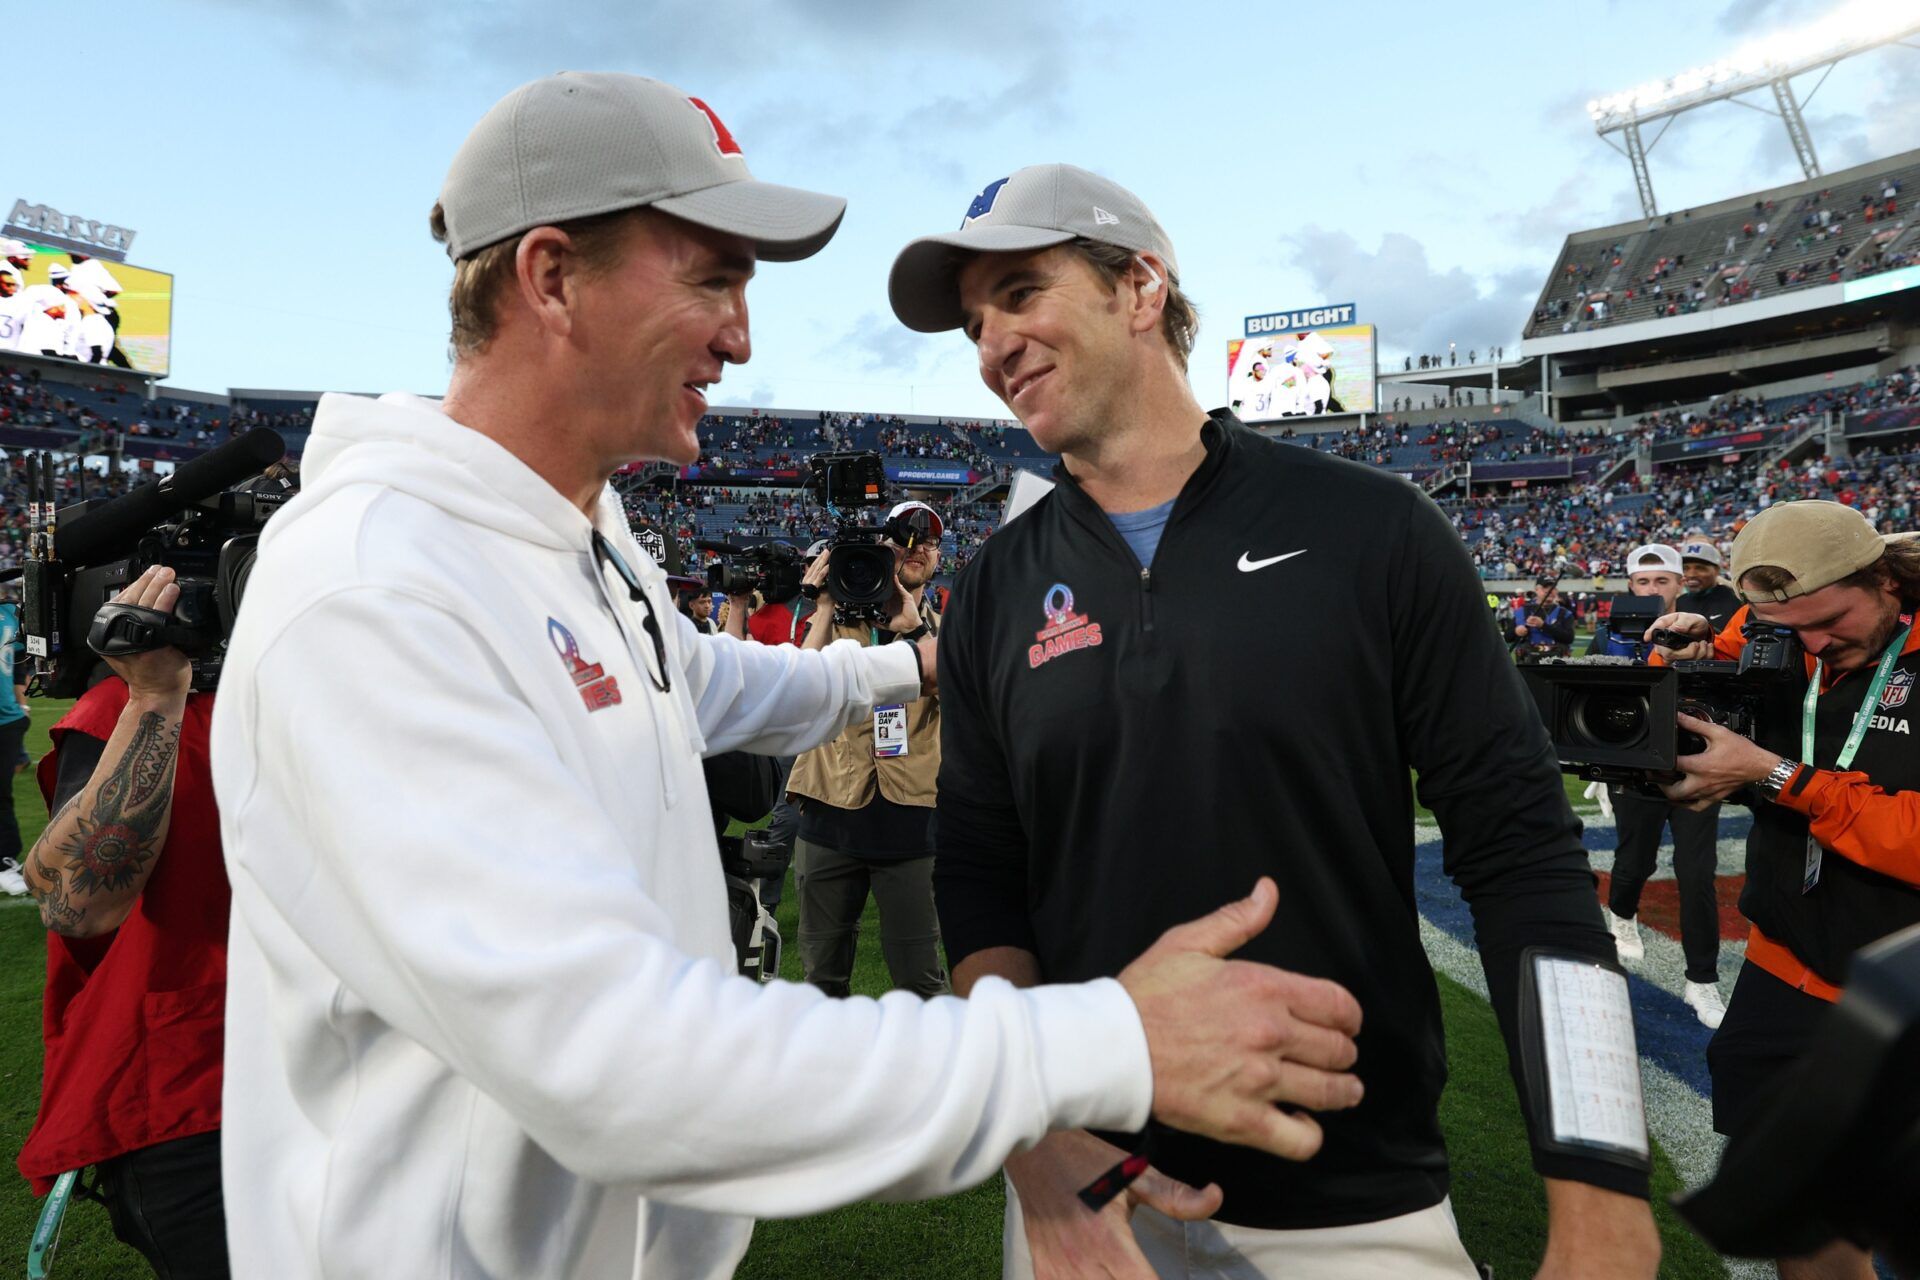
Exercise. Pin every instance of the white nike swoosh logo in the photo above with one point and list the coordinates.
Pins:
(1248, 566)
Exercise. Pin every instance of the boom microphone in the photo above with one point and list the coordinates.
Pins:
(98, 534)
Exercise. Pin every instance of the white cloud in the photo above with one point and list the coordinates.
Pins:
(1418, 307)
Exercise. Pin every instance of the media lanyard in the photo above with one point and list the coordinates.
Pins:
(1861, 718)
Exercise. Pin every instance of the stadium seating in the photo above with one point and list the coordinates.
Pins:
(1567, 523)
(1723, 258)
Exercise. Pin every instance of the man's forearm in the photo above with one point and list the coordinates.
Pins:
(1016, 964)
(95, 856)
(820, 626)
(1592, 1231)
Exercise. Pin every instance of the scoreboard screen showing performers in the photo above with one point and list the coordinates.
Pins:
(1301, 373)
(86, 309)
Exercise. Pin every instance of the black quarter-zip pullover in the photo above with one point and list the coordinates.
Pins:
(1128, 748)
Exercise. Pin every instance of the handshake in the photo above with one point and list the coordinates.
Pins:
(1240, 1052)
(1236, 1046)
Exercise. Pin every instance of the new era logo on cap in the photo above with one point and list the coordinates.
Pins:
(1101, 218)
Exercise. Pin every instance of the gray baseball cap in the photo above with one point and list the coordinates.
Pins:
(590, 142)
(1703, 551)
(1032, 208)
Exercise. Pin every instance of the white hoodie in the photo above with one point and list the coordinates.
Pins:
(482, 1016)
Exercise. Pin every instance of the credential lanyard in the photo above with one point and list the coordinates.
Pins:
(1863, 717)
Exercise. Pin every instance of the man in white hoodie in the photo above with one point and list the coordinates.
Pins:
(482, 1017)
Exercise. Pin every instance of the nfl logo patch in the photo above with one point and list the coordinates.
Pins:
(1898, 686)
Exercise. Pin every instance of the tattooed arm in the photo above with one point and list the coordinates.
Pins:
(90, 864)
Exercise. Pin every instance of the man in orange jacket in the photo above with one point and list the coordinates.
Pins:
(1833, 862)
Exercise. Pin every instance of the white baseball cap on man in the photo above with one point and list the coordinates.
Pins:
(1031, 208)
(583, 143)
(1654, 557)
(934, 526)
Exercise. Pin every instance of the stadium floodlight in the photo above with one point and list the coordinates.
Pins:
(1770, 62)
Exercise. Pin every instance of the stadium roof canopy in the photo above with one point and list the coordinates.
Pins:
(1768, 63)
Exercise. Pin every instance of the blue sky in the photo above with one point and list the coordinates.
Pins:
(1423, 161)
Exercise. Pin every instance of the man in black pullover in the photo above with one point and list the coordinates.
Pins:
(1112, 759)
(1705, 595)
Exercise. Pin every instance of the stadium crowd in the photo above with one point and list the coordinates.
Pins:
(1583, 528)
(1587, 531)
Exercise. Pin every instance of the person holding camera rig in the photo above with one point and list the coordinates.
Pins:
(131, 887)
(1541, 627)
(1654, 571)
(866, 798)
(773, 613)
(1833, 773)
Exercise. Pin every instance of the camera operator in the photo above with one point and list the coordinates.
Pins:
(1705, 595)
(131, 887)
(771, 615)
(1541, 627)
(866, 798)
(13, 734)
(1834, 775)
(1655, 570)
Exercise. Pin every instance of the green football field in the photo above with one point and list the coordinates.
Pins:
(1500, 1203)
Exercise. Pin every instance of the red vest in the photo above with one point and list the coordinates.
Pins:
(775, 624)
(134, 1022)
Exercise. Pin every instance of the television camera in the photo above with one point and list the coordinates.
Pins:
(1613, 720)
(82, 555)
(859, 555)
(774, 569)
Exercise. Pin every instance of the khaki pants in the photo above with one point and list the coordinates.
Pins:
(833, 892)
(1424, 1245)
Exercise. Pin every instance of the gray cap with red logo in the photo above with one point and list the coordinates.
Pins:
(583, 143)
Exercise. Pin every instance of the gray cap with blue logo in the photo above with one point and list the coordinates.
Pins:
(1033, 208)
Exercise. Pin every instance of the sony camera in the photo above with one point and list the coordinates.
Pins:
(80, 556)
(859, 555)
(1613, 720)
(774, 569)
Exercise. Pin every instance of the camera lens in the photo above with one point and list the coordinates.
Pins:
(860, 574)
(1610, 719)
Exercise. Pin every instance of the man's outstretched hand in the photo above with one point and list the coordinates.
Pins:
(1233, 1041)
(1065, 1239)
